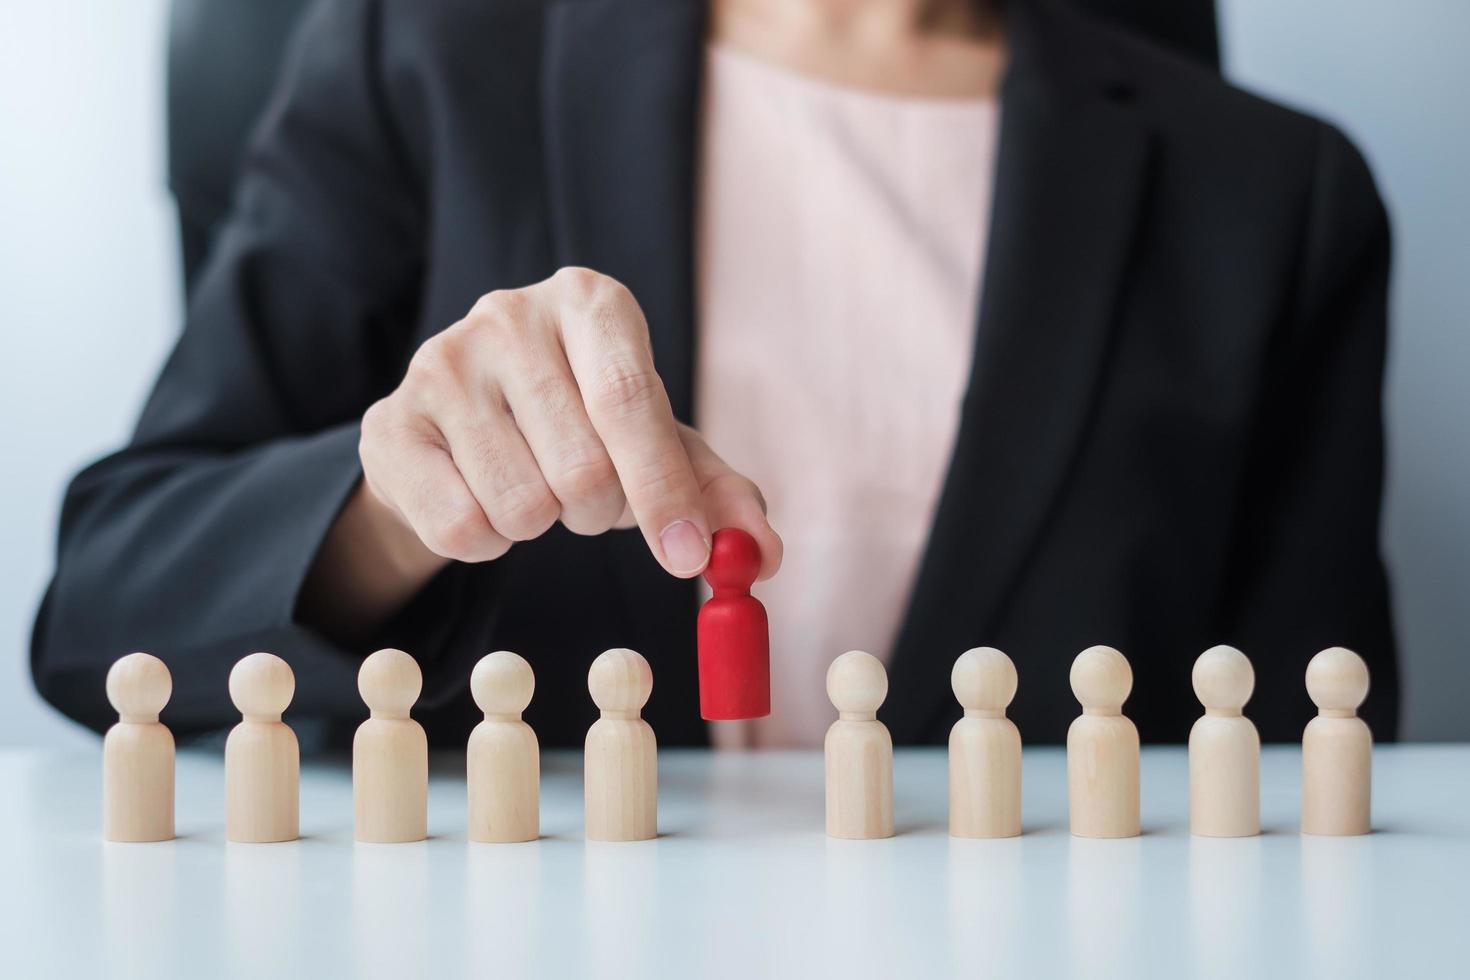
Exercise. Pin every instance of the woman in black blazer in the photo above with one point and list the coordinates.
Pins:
(1172, 435)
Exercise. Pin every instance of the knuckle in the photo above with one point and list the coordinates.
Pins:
(503, 308)
(437, 359)
(374, 424)
(607, 306)
(590, 523)
(585, 476)
(610, 294)
(459, 535)
(734, 484)
(622, 388)
(662, 479)
(612, 315)
(525, 511)
(578, 282)
(381, 433)
(552, 393)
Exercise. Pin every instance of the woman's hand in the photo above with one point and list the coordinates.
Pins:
(543, 405)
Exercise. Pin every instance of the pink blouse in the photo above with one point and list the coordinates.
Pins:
(840, 242)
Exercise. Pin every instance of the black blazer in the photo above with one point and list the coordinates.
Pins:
(1171, 437)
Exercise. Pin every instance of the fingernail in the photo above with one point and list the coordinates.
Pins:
(684, 547)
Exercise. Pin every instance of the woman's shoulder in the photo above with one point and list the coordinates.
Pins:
(1188, 100)
(1211, 129)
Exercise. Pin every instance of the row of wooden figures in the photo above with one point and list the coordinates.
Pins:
(390, 751)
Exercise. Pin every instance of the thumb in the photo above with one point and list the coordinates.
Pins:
(732, 500)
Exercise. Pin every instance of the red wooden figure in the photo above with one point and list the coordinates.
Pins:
(734, 639)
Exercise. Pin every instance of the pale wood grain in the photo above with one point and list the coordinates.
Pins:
(1102, 748)
(390, 753)
(858, 750)
(621, 756)
(1337, 748)
(984, 748)
(1224, 749)
(262, 758)
(138, 753)
(503, 759)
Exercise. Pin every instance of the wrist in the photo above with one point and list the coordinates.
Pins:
(399, 547)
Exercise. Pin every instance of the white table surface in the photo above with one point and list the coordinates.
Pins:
(742, 882)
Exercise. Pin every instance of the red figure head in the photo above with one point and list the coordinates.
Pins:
(734, 561)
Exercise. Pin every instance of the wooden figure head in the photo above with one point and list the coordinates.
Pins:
(261, 686)
(389, 682)
(620, 682)
(857, 684)
(502, 684)
(138, 686)
(1223, 679)
(984, 681)
(1337, 681)
(1101, 680)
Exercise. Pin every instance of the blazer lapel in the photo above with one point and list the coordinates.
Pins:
(1069, 177)
(621, 97)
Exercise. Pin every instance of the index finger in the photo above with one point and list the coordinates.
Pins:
(606, 341)
(733, 500)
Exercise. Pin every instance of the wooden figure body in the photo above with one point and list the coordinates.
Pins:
(390, 753)
(621, 764)
(734, 634)
(138, 753)
(1224, 749)
(262, 759)
(1337, 748)
(1102, 748)
(858, 750)
(503, 761)
(984, 748)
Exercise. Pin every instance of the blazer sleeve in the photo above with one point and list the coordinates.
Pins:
(193, 541)
(1307, 568)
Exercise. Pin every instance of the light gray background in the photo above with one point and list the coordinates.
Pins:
(89, 282)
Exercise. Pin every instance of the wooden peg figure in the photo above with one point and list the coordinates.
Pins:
(262, 759)
(734, 635)
(1337, 747)
(503, 760)
(859, 750)
(621, 768)
(390, 753)
(138, 753)
(1224, 749)
(984, 748)
(1102, 748)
